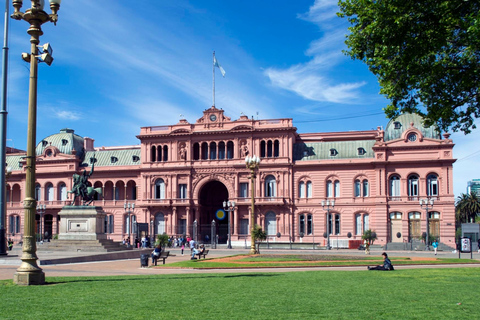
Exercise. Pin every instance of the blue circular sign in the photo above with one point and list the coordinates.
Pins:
(220, 214)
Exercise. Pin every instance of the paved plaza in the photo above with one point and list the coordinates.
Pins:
(131, 266)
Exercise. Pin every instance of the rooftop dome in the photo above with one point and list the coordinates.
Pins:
(66, 141)
(403, 122)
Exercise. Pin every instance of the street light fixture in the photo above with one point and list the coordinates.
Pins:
(252, 163)
(229, 206)
(327, 205)
(41, 210)
(426, 204)
(29, 273)
(129, 208)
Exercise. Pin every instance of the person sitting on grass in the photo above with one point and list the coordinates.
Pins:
(387, 264)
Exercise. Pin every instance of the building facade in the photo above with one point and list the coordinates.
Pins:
(473, 186)
(179, 176)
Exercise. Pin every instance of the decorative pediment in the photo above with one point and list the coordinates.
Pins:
(213, 116)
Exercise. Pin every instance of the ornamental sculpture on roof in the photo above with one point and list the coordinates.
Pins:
(81, 188)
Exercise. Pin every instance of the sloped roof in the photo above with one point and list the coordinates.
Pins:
(13, 161)
(65, 141)
(322, 150)
(396, 127)
(113, 157)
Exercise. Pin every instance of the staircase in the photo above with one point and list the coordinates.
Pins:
(100, 245)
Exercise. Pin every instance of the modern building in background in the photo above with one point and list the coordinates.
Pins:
(180, 175)
(474, 186)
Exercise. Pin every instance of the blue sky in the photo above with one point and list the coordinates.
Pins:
(122, 65)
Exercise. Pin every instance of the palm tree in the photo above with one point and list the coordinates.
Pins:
(467, 207)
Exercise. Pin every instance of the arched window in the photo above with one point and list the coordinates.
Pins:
(38, 192)
(358, 224)
(309, 189)
(276, 148)
(129, 225)
(165, 153)
(62, 192)
(213, 151)
(357, 188)
(49, 192)
(159, 189)
(159, 224)
(395, 186)
(432, 185)
(365, 190)
(269, 149)
(196, 151)
(337, 224)
(329, 189)
(221, 150)
(204, 151)
(336, 189)
(263, 147)
(301, 189)
(270, 187)
(366, 222)
(159, 153)
(413, 185)
(271, 223)
(153, 153)
(14, 224)
(229, 150)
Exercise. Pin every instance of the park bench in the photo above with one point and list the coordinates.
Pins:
(204, 254)
(163, 255)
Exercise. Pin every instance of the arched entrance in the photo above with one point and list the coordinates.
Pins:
(211, 199)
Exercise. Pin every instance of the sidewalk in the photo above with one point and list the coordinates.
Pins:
(115, 265)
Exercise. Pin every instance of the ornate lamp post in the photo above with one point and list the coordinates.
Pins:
(41, 210)
(229, 206)
(129, 207)
(426, 204)
(29, 273)
(327, 205)
(252, 163)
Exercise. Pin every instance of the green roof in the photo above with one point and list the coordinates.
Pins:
(13, 161)
(325, 150)
(396, 127)
(114, 157)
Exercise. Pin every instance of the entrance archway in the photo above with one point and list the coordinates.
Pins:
(211, 199)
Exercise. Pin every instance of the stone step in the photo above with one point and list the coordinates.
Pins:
(101, 245)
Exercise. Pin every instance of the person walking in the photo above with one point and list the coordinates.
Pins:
(435, 246)
(183, 247)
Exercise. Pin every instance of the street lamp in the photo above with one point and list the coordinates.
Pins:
(229, 206)
(29, 273)
(327, 205)
(426, 204)
(252, 163)
(41, 210)
(3, 212)
(129, 207)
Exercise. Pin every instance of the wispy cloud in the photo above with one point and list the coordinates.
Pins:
(68, 115)
(312, 80)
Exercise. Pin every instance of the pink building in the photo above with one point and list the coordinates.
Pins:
(181, 174)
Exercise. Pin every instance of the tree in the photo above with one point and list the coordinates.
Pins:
(162, 240)
(467, 207)
(425, 54)
(369, 237)
(259, 235)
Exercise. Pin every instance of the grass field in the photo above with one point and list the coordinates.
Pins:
(402, 294)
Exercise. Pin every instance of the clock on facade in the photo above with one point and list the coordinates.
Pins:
(213, 117)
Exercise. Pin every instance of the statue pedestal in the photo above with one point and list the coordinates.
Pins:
(82, 223)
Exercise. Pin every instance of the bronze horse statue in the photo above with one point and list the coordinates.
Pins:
(82, 189)
(88, 196)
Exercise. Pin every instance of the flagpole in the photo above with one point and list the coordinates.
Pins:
(213, 71)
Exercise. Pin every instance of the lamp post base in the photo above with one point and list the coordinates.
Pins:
(29, 275)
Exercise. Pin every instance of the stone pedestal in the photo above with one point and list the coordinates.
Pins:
(81, 223)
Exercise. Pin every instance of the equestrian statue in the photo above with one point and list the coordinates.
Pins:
(81, 188)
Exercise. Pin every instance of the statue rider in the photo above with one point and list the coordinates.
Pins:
(80, 182)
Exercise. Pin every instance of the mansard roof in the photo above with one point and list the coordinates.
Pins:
(396, 127)
(113, 157)
(66, 141)
(323, 150)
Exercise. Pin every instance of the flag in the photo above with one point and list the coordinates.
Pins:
(216, 64)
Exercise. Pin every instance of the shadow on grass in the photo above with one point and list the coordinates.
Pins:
(54, 281)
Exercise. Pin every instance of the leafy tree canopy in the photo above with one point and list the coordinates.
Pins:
(425, 54)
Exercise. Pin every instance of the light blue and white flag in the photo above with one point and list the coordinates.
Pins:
(216, 64)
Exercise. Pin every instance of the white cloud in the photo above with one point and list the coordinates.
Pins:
(67, 115)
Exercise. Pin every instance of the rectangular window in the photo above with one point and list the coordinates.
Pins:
(243, 226)
(309, 224)
(365, 188)
(358, 224)
(337, 224)
(182, 228)
(301, 224)
(301, 190)
(243, 190)
(182, 191)
(309, 189)
(357, 188)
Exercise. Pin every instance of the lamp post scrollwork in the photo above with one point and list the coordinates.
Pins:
(328, 205)
(427, 204)
(229, 206)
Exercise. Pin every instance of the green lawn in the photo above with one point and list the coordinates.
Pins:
(402, 294)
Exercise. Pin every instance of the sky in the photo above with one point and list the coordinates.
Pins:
(121, 65)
